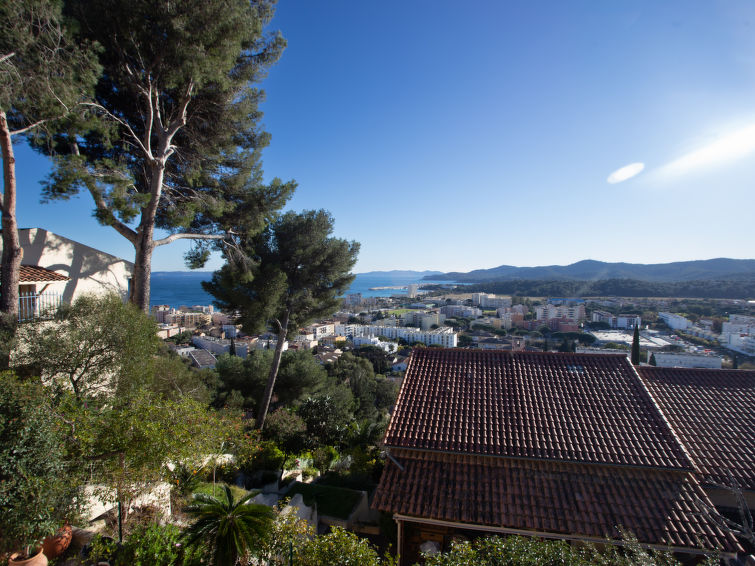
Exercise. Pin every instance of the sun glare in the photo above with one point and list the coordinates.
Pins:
(727, 148)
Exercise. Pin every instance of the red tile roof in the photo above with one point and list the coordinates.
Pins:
(583, 500)
(567, 407)
(713, 413)
(36, 274)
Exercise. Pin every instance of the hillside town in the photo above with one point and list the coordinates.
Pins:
(714, 339)
(200, 366)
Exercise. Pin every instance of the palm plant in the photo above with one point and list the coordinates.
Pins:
(228, 529)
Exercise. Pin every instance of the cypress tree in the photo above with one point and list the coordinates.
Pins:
(636, 346)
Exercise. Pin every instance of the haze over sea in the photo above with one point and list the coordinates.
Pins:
(176, 288)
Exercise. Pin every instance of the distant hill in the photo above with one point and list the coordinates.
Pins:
(427, 274)
(591, 270)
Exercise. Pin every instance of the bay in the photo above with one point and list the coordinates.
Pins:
(184, 288)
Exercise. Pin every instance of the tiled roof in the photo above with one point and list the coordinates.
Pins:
(36, 274)
(586, 500)
(566, 407)
(713, 413)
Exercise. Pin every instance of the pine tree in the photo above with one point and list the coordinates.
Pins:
(43, 78)
(176, 143)
(297, 275)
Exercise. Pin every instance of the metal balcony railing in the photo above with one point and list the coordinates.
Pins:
(35, 306)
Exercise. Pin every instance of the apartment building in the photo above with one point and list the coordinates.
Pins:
(625, 321)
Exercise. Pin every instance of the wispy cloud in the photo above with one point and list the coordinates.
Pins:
(626, 172)
(726, 148)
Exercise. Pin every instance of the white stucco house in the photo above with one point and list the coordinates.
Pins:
(57, 269)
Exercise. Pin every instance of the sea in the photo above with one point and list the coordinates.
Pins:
(184, 288)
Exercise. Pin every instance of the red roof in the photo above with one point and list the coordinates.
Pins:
(36, 274)
(713, 413)
(567, 444)
(568, 407)
(582, 500)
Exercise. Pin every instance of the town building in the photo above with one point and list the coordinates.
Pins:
(562, 446)
(423, 320)
(490, 301)
(622, 321)
(682, 360)
(675, 321)
(460, 311)
(573, 312)
(445, 337)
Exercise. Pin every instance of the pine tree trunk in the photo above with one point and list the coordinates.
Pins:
(140, 283)
(268, 395)
(10, 268)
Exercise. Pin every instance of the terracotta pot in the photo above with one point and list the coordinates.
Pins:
(39, 559)
(57, 544)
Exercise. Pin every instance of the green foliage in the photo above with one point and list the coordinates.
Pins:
(339, 547)
(218, 488)
(97, 346)
(129, 438)
(522, 551)
(269, 457)
(287, 541)
(299, 375)
(298, 273)
(379, 358)
(147, 545)
(323, 457)
(226, 528)
(287, 430)
(327, 418)
(37, 485)
(636, 346)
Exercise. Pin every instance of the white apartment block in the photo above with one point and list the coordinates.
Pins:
(445, 337)
(675, 321)
(491, 301)
(411, 290)
(678, 360)
(320, 330)
(353, 299)
(569, 312)
(625, 321)
(424, 320)
(460, 310)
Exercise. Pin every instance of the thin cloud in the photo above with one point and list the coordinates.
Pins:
(726, 148)
(625, 173)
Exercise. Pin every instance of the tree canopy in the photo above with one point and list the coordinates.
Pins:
(44, 76)
(173, 140)
(296, 275)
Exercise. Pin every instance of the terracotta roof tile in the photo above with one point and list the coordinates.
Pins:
(713, 413)
(566, 407)
(554, 497)
(36, 274)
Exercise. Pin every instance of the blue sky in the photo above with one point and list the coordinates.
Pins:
(454, 136)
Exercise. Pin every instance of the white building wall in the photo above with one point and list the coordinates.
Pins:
(90, 270)
(672, 359)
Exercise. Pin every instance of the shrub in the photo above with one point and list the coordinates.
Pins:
(339, 547)
(37, 486)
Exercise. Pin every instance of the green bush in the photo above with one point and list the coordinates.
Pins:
(339, 547)
(268, 457)
(38, 485)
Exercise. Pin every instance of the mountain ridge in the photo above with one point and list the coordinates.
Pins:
(593, 270)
